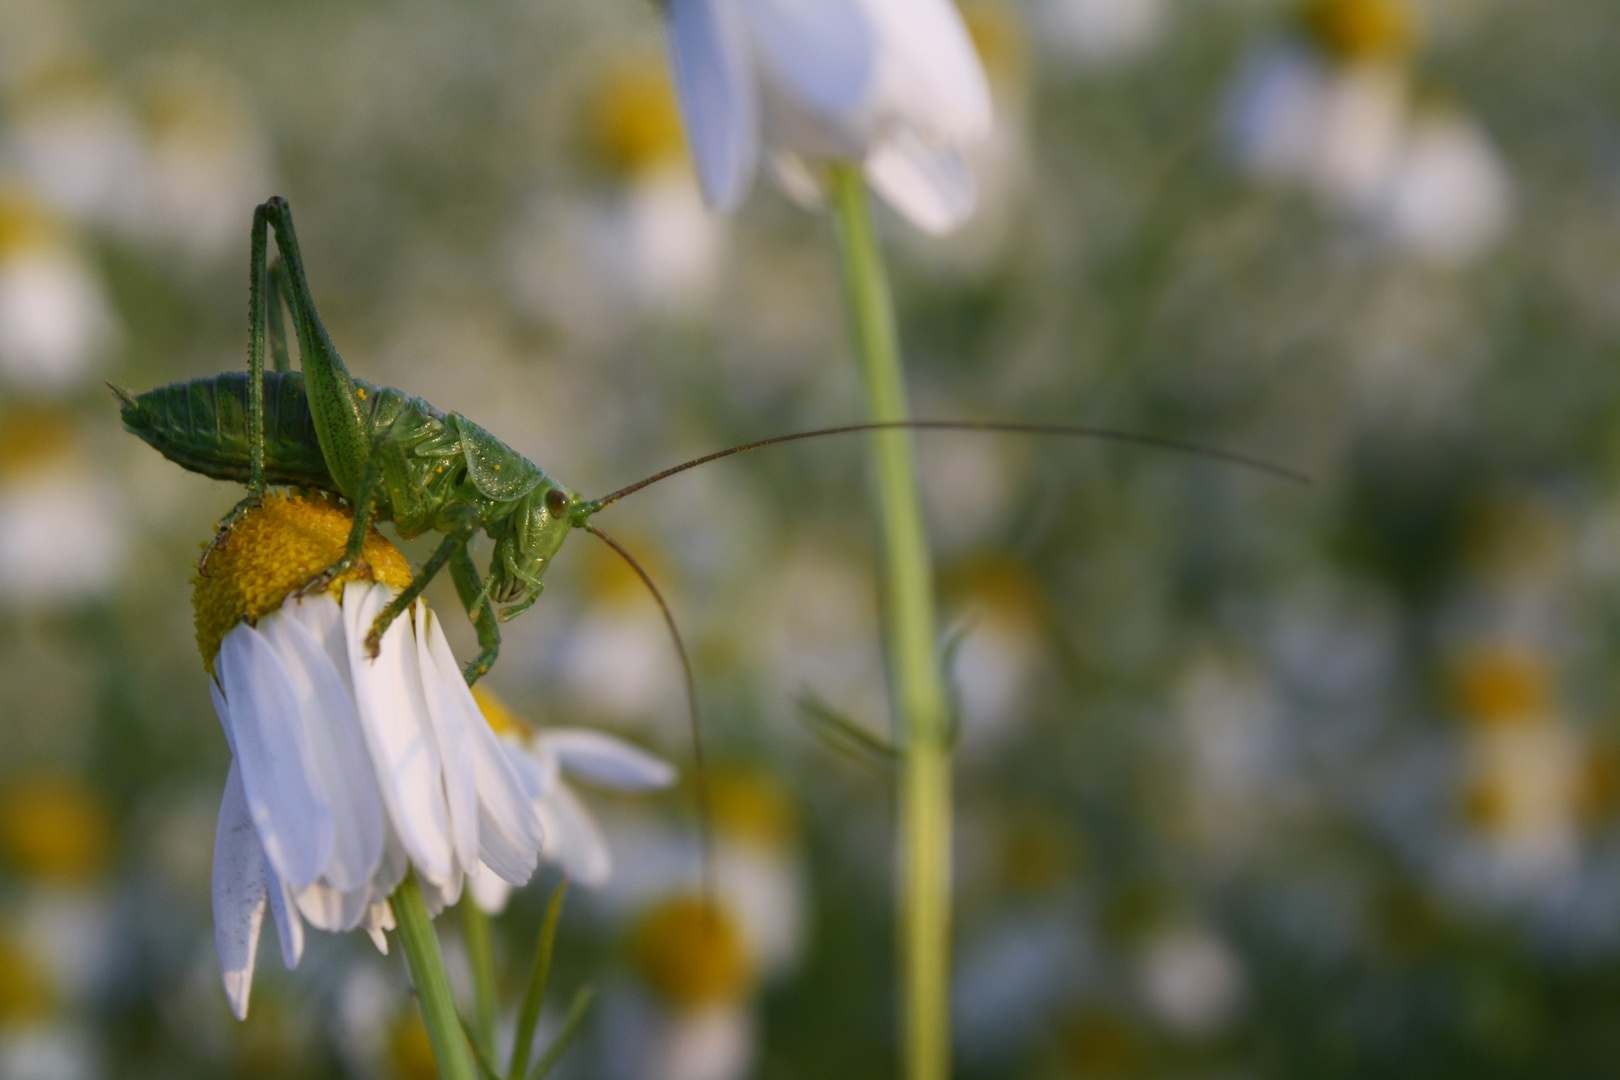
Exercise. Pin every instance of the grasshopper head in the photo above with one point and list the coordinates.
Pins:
(535, 530)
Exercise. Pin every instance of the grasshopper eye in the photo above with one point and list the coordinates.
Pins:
(557, 502)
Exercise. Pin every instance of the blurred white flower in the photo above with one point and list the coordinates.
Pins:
(893, 84)
(80, 144)
(541, 757)
(1192, 980)
(1449, 196)
(55, 319)
(1335, 113)
(63, 536)
(1100, 33)
(346, 770)
(206, 161)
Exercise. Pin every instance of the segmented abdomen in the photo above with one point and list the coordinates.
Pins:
(202, 425)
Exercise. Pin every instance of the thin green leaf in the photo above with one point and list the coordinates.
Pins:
(576, 1016)
(843, 734)
(539, 975)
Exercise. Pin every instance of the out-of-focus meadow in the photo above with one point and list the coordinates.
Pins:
(1255, 779)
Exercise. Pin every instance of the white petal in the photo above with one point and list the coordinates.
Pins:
(489, 891)
(326, 908)
(929, 73)
(398, 731)
(273, 750)
(239, 893)
(604, 759)
(714, 80)
(455, 717)
(509, 832)
(289, 924)
(822, 53)
(380, 917)
(931, 185)
(573, 840)
(339, 745)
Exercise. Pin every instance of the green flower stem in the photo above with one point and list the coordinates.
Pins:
(915, 688)
(426, 962)
(481, 959)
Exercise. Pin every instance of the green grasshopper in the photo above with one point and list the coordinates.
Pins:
(396, 458)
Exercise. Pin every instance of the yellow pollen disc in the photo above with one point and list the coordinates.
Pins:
(691, 953)
(501, 718)
(274, 550)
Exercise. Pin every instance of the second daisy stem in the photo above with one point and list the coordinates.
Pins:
(432, 984)
(915, 687)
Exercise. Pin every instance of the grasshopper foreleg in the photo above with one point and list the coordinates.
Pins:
(453, 541)
(474, 595)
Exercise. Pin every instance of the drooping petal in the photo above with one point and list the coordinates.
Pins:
(394, 715)
(930, 78)
(509, 832)
(604, 759)
(572, 838)
(343, 764)
(272, 745)
(239, 893)
(489, 890)
(289, 924)
(714, 81)
(453, 727)
(380, 917)
(930, 184)
(326, 908)
(822, 53)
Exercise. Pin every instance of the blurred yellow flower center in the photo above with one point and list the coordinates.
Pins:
(24, 991)
(635, 120)
(1502, 686)
(1360, 29)
(691, 953)
(33, 438)
(410, 1051)
(501, 718)
(752, 806)
(273, 550)
(54, 827)
(25, 224)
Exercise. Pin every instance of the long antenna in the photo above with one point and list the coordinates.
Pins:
(1106, 434)
(701, 784)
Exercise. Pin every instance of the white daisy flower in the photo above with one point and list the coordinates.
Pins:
(894, 84)
(542, 757)
(347, 770)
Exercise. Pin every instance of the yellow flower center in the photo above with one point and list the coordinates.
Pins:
(25, 223)
(273, 550)
(501, 718)
(24, 990)
(752, 806)
(1497, 686)
(33, 439)
(691, 953)
(54, 827)
(1360, 29)
(635, 120)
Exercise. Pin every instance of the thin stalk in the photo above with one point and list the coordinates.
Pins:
(432, 985)
(481, 960)
(915, 688)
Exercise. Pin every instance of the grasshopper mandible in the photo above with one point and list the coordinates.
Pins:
(396, 458)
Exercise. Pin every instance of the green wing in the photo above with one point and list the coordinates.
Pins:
(498, 471)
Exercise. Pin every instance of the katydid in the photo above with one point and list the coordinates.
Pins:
(396, 458)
